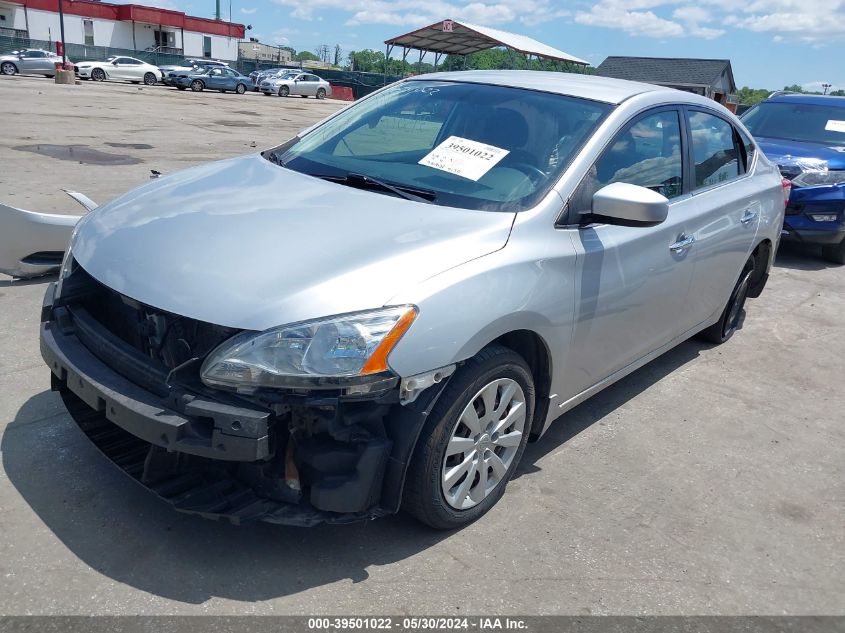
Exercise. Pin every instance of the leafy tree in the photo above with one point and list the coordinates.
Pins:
(305, 56)
(752, 96)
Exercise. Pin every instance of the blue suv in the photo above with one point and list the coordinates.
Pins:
(805, 136)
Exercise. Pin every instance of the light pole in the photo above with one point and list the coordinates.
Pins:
(62, 29)
(826, 87)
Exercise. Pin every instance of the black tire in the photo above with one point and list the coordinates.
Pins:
(423, 495)
(729, 322)
(98, 74)
(181, 88)
(240, 89)
(284, 91)
(197, 85)
(150, 79)
(834, 253)
(8, 68)
(321, 93)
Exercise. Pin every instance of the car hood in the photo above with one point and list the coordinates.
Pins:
(786, 152)
(8, 58)
(248, 244)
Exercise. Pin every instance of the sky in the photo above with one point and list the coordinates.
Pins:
(771, 43)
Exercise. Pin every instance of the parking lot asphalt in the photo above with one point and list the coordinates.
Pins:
(711, 481)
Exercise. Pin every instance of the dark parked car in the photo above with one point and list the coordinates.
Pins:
(805, 136)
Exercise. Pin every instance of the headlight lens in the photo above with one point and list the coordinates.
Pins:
(819, 178)
(344, 349)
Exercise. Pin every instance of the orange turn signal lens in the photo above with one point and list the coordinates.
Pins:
(378, 361)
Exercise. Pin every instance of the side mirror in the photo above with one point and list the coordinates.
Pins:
(114, 63)
(623, 203)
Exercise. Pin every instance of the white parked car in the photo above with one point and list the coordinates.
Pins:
(120, 69)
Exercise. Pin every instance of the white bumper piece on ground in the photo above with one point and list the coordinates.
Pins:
(31, 243)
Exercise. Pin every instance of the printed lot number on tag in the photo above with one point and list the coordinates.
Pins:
(464, 157)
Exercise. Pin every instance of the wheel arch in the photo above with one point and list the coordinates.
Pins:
(763, 255)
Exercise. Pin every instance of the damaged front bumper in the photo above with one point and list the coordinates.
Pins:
(302, 460)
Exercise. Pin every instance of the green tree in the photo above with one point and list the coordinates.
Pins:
(752, 96)
(305, 56)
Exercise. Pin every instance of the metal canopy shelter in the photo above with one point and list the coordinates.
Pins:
(450, 37)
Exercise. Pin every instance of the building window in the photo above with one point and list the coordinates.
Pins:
(88, 28)
(206, 46)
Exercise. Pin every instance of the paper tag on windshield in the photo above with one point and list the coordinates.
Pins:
(464, 158)
(835, 126)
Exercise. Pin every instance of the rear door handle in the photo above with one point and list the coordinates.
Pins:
(683, 243)
(748, 217)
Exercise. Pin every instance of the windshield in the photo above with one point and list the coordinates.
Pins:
(812, 123)
(464, 145)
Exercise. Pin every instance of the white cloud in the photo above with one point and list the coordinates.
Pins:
(246, 11)
(613, 15)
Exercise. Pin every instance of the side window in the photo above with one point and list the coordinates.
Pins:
(748, 150)
(714, 149)
(646, 153)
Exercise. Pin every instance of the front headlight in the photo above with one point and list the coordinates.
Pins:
(333, 352)
(819, 178)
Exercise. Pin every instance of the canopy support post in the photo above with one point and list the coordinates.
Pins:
(419, 63)
(387, 53)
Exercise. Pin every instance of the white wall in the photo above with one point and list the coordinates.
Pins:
(119, 34)
(15, 18)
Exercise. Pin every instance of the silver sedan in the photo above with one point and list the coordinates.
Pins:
(383, 310)
(30, 62)
(300, 84)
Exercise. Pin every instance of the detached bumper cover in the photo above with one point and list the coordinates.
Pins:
(32, 243)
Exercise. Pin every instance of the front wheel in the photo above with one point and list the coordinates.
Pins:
(150, 79)
(197, 85)
(284, 91)
(321, 93)
(834, 252)
(472, 441)
(98, 74)
(8, 68)
(181, 88)
(728, 323)
(240, 89)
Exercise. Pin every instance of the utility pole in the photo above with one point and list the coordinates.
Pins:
(62, 29)
(217, 12)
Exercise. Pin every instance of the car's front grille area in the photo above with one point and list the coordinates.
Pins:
(170, 340)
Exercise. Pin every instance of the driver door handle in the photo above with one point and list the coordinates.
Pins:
(683, 243)
(748, 217)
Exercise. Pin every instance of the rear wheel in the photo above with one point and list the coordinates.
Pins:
(150, 79)
(284, 91)
(321, 93)
(731, 317)
(834, 252)
(472, 441)
(197, 85)
(8, 68)
(240, 89)
(98, 74)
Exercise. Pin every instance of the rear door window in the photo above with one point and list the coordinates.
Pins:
(714, 148)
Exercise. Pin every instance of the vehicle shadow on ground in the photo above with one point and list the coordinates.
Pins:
(605, 402)
(124, 532)
(800, 257)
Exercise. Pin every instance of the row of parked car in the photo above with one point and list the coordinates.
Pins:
(194, 74)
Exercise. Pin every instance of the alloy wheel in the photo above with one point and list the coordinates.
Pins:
(98, 74)
(8, 68)
(483, 444)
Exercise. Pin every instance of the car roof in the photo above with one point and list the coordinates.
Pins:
(808, 99)
(592, 87)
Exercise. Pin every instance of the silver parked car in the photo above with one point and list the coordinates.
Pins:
(382, 311)
(297, 83)
(30, 61)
